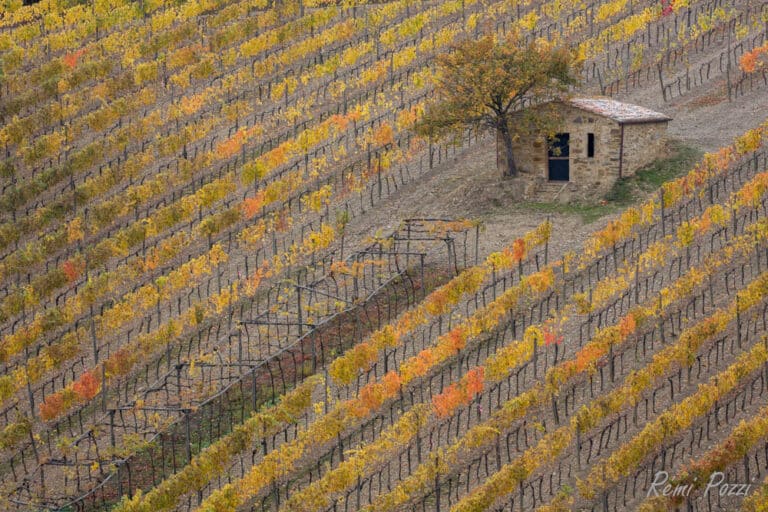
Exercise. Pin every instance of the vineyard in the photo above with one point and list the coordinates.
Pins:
(195, 314)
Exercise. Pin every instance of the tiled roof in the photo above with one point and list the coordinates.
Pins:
(618, 111)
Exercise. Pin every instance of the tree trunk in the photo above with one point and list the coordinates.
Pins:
(505, 160)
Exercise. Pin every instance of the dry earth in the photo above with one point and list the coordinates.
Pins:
(468, 186)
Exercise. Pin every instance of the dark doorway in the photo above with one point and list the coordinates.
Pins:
(559, 152)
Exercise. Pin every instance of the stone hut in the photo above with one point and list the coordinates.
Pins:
(600, 140)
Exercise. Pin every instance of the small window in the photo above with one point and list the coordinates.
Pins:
(590, 145)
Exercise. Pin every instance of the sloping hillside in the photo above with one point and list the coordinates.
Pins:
(233, 278)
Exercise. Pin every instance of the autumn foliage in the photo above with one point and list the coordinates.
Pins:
(754, 60)
(51, 407)
(120, 362)
(73, 269)
(252, 205)
(80, 391)
(86, 387)
(551, 337)
(459, 394)
(383, 135)
(70, 59)
(518, 249)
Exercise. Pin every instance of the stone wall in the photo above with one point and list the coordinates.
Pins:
(643, 143)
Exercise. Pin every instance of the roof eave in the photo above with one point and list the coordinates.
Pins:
(643, 121)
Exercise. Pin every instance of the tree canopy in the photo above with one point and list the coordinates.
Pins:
(482, 83)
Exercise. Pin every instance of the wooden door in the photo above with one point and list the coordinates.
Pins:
(559, 153)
